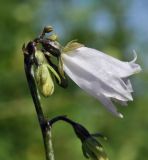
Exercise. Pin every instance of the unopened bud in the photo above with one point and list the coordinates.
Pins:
(44, 80)
(53, 37)
(40, 57)
(48, 29)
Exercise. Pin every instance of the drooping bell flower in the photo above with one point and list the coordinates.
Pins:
(102, 76)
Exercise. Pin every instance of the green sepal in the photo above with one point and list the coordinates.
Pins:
(55, 73)
(60, 67)
(72, 45)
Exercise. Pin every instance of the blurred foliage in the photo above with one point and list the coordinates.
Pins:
(99, 24)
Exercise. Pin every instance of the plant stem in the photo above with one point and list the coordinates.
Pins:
(49, 150)
(45, 127)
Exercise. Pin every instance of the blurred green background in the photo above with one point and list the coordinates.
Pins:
(115, 27)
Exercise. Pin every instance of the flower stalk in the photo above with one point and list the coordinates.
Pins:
(46, 132)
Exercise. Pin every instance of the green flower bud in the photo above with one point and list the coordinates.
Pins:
(44, 80)
(48, 29)
(90, 146)
(93, 149)
(53, 37)
(40, 57)
(43, 74)
(48, 88)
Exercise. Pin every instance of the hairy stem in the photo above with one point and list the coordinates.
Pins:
(45, 127)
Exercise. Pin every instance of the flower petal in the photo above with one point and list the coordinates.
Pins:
(100, 75)
(106, 62)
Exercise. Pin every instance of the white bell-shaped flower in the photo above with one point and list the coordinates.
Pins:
(100, 75)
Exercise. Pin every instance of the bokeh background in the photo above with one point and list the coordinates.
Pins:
(115, 27)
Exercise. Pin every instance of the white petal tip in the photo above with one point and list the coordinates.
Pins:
(131, 98)
(135, 66)
(120, 115)
(135, 56)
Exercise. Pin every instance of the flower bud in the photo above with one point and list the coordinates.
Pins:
(48, 29)
(93, 149)
(44, 80)
(40, 57)
(90, 146)
(53, 37)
